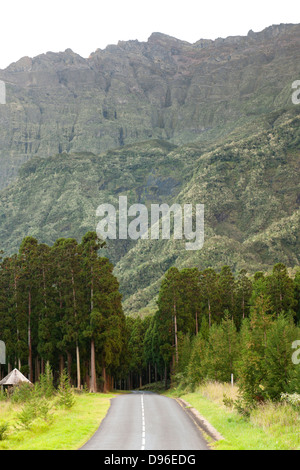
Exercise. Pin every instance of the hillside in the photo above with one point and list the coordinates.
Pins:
(249, 185)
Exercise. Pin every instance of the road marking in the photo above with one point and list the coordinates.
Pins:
(143, 424)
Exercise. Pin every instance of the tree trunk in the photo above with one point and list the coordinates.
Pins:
(166, 381)
(61, 364)
(29, 339)
(176, 335)
(78, 366)
(69, 366)
(93, 385)
(37, 368)
(104, 379)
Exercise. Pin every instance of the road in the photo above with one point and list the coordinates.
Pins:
(146, 421)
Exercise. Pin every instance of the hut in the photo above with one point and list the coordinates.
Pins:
(15, 377)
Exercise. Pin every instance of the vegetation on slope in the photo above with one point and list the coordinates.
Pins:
(249, 188)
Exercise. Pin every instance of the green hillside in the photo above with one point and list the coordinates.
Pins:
(249, 185)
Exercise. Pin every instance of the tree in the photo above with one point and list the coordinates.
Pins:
(227, 290)
(170, 303)
(280, 290)
(210, 294)
(222, 350)
(243, 290)
(277, 361)
(297, 295)
(107, 320)
(67, 254)
(90, 246)
(253, 346)
(28, 260)
(191, 294)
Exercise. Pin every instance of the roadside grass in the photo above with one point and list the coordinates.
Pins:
(271, 426)
(69, 429)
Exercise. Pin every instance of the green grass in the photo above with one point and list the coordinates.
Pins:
(270, 427)
(69, 430)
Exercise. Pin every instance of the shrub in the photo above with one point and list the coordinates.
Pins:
(243, 407)
(45, 387)
(21, 393)
(3, 431)
(291, 398)
(44, 408)
(27, 415)
(64, 392)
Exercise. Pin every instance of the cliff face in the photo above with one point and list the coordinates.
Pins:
(249, 186)
(162, 89)
(161, 122)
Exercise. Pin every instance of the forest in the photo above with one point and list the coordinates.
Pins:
(61, 306)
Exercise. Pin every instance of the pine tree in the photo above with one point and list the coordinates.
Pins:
(197, 367)
(222, 350)
(278, 364)
(90, 246)
(243, 295)
(251, 368)
(210, 295)
(65, 395)
(280, 290)
(28, 286)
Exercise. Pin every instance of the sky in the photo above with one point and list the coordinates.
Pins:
(33, 27)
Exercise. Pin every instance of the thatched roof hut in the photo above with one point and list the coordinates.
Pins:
(15, 377)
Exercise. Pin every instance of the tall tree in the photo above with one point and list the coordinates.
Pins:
(280, 289)
(210, 294)
(90, 246)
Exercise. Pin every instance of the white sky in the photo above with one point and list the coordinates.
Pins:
(32, 27)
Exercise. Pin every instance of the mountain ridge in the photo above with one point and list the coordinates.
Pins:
(162, 121)
(160, 89)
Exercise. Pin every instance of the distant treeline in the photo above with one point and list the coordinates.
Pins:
(61, 306)
(210, 325)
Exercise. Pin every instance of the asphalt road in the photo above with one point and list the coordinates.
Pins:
(146, 421)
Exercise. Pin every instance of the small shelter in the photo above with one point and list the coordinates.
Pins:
(15, 377)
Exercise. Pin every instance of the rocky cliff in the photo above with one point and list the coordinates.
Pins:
(161, 89)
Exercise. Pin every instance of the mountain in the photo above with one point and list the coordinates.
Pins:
(160, 89)
(250, 189)
(162, 122)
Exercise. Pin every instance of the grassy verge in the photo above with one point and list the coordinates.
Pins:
(69, 430)
(270, 427)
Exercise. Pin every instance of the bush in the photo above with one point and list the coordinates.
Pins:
(243, 407)
(44, 408)
(64, 392)
(21, 393)
(27, 415)
(292, 399)
(45, 387)
(3, 431)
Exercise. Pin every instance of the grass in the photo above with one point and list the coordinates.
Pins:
(272, 426)
(69, 430)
